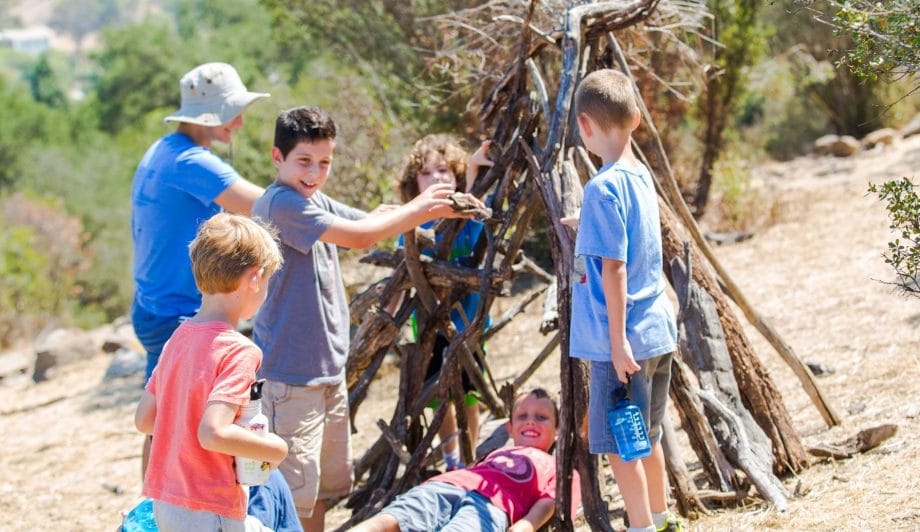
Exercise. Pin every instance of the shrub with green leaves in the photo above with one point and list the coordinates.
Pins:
(903, 204)
(41, 255)
(886, 36)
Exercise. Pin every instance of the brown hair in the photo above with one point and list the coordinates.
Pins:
(448, 147)
(607, 97)
(226, 246)
(539, 393)
(302, 124)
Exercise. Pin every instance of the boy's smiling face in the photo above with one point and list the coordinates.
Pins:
(533, 422)
(306, 167)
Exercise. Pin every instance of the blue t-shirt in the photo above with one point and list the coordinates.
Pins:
(620, 221)
(303, 327)
(172, 195)
(461, 254)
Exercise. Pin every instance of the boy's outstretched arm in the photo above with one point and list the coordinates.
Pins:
(146, 413)
(538, 515)
(217, 433)
(613, 280)
(431, 204)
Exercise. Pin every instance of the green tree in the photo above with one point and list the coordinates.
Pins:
(885, 37)
(24, 123)
(139, 71)
(741, 41)
(800, 89)
(45, 85)
(393, 43)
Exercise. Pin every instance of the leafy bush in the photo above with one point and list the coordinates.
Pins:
(24, 123)
(41, 255)
(741, 205)
(903, 204)
(886, 37)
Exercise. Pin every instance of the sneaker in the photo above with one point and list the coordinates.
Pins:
(672, 524)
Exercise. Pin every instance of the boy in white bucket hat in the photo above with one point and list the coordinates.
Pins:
(178, 185)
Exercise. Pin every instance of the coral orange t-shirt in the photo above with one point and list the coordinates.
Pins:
(201, 362)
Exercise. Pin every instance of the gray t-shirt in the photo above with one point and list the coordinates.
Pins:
(303, 326)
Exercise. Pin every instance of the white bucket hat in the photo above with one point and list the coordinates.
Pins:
(212, 94)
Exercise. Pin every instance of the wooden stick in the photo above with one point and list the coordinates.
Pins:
(537, 362)
(395, 445)
(509, 315)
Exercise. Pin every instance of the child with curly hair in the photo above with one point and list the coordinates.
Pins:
(437, 159)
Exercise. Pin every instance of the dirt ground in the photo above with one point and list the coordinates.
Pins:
(70, 457)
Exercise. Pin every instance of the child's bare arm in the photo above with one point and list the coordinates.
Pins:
(146, 413)
(382, 208)
(239, 197)
(479, 159)
(431, 204)
(538, 515)
(217, 433)
(613, 280)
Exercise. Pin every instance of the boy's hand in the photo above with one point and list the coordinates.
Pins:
(480, 157)
(435, 202)
(570, 221)
(476, 161)
(623, 362)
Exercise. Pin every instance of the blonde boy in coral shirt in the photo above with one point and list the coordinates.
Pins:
(202, 380)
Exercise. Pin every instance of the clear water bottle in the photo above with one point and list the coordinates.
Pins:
(627, 426)
(248, 471)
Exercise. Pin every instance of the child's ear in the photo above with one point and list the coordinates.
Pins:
(277, 157)
(254, 277)
(637, 117)
(584, 125)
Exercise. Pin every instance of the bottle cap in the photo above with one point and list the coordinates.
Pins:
(255, 391)
(621, 392)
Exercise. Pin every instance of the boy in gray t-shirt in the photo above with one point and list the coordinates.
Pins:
(303, 326)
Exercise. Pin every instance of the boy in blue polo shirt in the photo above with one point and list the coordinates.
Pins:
(622, 321)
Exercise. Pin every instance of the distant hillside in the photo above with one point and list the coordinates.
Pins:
(29, 13)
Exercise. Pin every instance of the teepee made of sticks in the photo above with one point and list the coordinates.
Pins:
(729, 407)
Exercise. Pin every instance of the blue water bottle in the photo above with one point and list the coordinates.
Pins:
(627, 426)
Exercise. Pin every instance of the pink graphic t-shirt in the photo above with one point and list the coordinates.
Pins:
(201, 362)
(513, 479)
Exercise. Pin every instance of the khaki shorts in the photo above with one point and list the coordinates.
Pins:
(313, 420)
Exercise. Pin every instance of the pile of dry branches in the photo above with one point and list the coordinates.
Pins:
(730, 409)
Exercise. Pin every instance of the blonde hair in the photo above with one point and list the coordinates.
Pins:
(226, 246)
(445, 145)
(607, 97)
